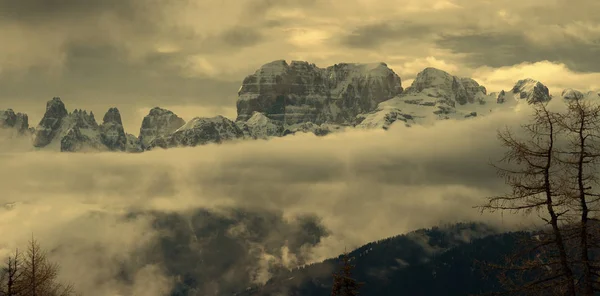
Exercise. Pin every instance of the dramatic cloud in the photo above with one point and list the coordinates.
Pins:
(498, 50)
(218, 217)
(242, 210)
(137, 54)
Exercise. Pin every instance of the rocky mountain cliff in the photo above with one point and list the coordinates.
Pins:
(200, 131)
(17, 121)
(280, 99)
(79, 131)
(301, 92)
(158, 123)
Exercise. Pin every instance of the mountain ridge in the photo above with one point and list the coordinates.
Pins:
(280, 99)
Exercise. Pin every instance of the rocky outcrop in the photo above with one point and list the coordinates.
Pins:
(451, 89)
(200, 131)
(50, 123)
(80, 139)
(112, 133)
(531, 90)
(302, 92)
(157, 124)
(73, 131)
(79, 131)
(259, 126)
(133, 144)
(17, 121)
(501, 97)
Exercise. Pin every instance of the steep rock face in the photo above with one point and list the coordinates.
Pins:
(18, 121)
(50, 123)
(259, 126)
(302, 92)
(133, 144)
(200, 131)
(79, 131)
(81, 139)
(531, 90)
(440, 84)
(501, 98)
(75, 131)
(112, 133)
(158, 123)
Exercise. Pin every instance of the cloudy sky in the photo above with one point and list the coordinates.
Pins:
(191, 55)
(324, 194)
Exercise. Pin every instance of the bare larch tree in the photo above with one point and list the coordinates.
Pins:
(580, 157)
(10, 275)
(32, 274)
(532, 173)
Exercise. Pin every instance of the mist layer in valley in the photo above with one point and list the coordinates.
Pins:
(219, 217)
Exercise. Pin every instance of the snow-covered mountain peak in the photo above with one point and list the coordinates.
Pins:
(197, 121)
(82, 119)
(159, 122)
(593, 94)
(199, 131)
(573, 94)
(437, 95)
(259, 126)
(437, 83)
(531, 90)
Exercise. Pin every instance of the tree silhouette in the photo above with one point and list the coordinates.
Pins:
(343, 282)
(580, 159)
(32, 274)
(10, 275)
(536, 177)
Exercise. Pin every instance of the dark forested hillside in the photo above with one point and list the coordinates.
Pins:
(438, 261)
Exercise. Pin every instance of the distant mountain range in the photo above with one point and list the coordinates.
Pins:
(281, 99)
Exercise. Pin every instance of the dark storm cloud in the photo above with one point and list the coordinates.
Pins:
(104, 72)
(119, 60)
(43, 10)
(241, 36)
(503, 49)
(217, 253)
(262, 6)
(374, 35)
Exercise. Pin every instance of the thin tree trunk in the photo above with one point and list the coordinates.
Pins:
(564, 262)
(588, 288)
